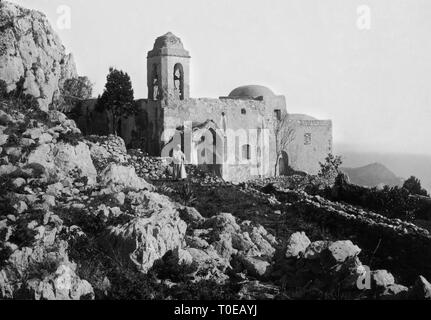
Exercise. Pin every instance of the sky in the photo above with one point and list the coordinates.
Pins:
(365, 64)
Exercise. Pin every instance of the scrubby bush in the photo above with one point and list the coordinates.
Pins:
(413, 186)
(72, 94)
(70, 138)
(330, 168)
(187, 194)
(18, 101)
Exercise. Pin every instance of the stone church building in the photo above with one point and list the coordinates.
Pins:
(232, 136)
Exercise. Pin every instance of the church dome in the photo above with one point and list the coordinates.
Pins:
(168, 45)
(251, 92)
(168, 40)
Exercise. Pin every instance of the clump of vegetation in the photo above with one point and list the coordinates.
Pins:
(187, 194)
(5, 187)
(19, 100)
(71, 138)
(23, 236)
(165, 189)
(330, 168)
(73, 92)
(414, 187)
(5, 253)
(43, 268)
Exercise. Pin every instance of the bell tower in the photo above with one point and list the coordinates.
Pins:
(168, 69)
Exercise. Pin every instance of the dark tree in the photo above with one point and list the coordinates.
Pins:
(413, 186)
(117, 99)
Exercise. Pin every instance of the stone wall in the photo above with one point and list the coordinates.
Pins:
(391, 243)
(237, 123)
(311, 145)
(243, 122)
(91, 122)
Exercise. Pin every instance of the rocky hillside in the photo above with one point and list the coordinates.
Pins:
(83, 218)
(77, 222)
(32, 55)
(372, 175)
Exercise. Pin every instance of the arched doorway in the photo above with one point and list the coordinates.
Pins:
(209, 150)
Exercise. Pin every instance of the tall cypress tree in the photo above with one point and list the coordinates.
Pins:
(117, 99)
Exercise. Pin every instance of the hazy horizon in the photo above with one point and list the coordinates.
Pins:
(375, 84)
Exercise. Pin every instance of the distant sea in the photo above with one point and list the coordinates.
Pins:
(403, 165)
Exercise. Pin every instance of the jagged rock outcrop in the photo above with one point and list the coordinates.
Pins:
(106, 150)
(44, 144)
(219, 244)
(32, 53)
(148, 237)
(62, 158)
(43, 272)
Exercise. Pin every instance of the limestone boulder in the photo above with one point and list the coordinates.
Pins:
(421, 289)
(191, 216)
(382, 279)
(32, 53)
(117, 176)
(228, 237)
(145, 203)
(395, 292)
(44, 272)
(264, 243)
(144, 240)
(255, 266)
(63, 284)
(207, 264)
(61, 159)
(339, 251)
(297, 244)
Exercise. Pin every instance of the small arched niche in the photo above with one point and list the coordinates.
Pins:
(179, 81)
